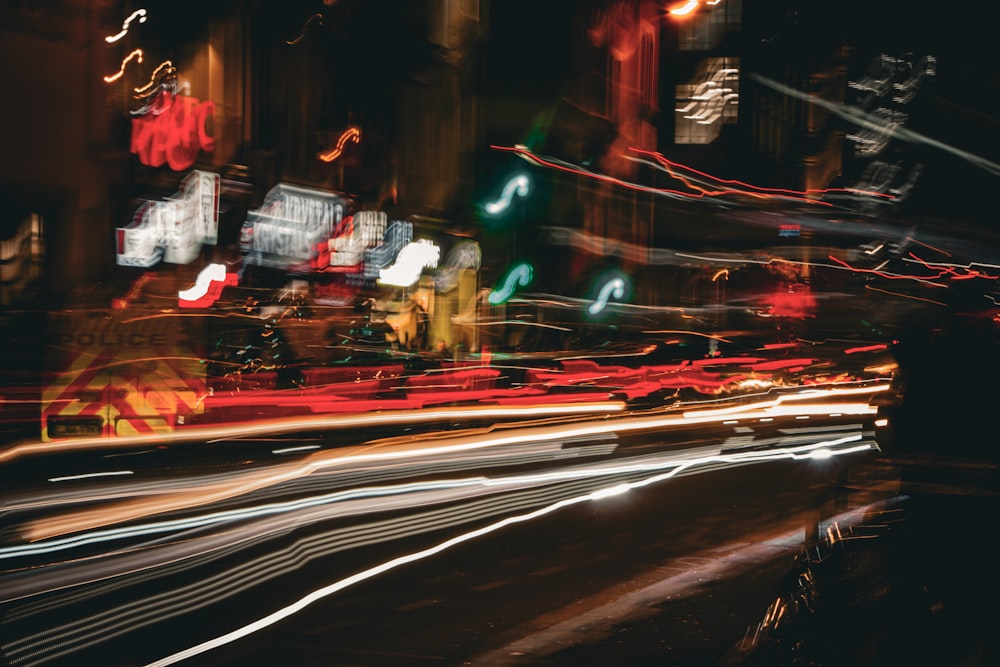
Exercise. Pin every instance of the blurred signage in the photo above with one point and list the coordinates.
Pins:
(174, 134)
(789, 230)
(119, 376)
(207, 287)
(83, 334)
(172, 230)
(285, 230)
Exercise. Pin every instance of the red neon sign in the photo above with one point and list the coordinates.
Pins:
(175, 135)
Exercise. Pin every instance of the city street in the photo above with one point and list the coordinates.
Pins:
(466, 524)
(382, 333)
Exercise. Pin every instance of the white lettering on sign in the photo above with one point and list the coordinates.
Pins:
(289, 224)
(172, 230)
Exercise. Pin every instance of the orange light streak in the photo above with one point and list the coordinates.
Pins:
(866, 348)
(685, 9)
(142, 90)
(817, 402)
(111, 78)
(905, 296)
(302, 34)
(950, 269)
(350, 134)
(891, 276)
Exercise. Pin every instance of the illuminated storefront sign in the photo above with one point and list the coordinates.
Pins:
(410, 263)
(286, 229)
(175, 134)
(172, 230)
(346, 251)
(207, 287)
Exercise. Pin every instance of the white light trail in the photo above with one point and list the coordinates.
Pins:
(320, 593)
(784, 405)
(88, 475)
(137, 14)
(319, 422)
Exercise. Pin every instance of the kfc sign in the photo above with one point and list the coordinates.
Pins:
(175, 134)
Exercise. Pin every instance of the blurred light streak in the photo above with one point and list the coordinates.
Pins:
(838, 264)
(111, 78)
(137, 14)
(905, 296)
(782, 405)
(352, 134)
(143, 91)
(910, 239)
(315, 17)
(717, 337)
(289, 450)
(410, 263)
(407, 490)
(859, 117)
(320, 593)
(197, 594)
(204, 292)
(867, 348)
(951, 269)
(684, 10)
(518, 185)
(610, 491)
(90, 475)
(670, 167)
(559, 165)
(520, 274)
(297, 424)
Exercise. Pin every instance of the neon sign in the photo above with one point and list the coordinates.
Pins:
(175, 134)
(290, 223)
(520, 274)
(614, 287)
(111, 78)
(137, 14)
(172, 230)
(410, 263)
(207, 287)
(517, 185)
(351, 134)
